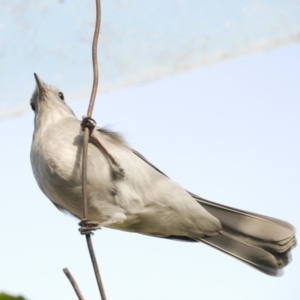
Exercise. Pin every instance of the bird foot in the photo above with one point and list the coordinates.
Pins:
(89, 123)
(88, 226)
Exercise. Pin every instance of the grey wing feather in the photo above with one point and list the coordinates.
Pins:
(148, 162)
(260, 241)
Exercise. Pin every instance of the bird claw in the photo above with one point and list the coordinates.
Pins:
(88, 122)
(87, 226)
(117, 170)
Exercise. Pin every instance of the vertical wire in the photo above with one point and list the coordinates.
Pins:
(85, 149)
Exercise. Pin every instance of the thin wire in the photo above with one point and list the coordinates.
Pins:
(91, 107)
(95, 60)
(85, 148)
(84, 174)
(95, 265)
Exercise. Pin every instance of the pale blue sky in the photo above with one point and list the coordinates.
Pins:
(140, 40)
(229, 133)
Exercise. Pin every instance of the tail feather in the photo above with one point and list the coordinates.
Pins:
(263, 242)
(255, 257)
(276, 247)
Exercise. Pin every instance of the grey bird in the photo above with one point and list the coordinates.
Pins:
(140, 198)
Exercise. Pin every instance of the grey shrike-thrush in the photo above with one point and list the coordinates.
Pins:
(142, 199)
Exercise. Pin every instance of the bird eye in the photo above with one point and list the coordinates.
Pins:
(32, 106)
(61, 95)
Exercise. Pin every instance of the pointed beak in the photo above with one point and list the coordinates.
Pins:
(41, 87)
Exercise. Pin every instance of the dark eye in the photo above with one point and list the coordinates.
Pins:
(32, 106)
(61, 95)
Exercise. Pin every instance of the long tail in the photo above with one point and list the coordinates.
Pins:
(263, 242)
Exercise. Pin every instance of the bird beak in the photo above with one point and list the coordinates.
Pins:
(41, 87)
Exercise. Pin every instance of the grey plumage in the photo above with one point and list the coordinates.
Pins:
(143, 199)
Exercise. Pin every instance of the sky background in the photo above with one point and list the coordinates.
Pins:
(140, 40)
(229, 133)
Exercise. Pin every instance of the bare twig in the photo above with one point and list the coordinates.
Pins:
(74, 284)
